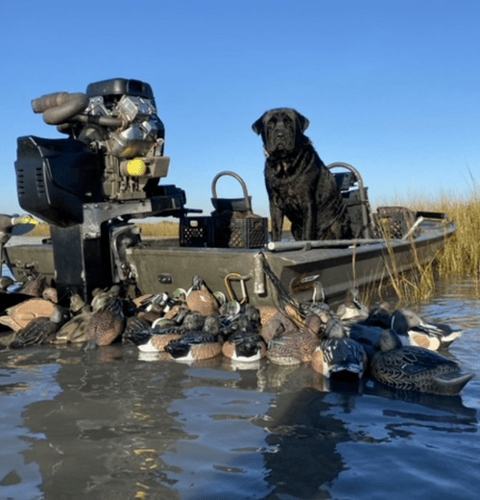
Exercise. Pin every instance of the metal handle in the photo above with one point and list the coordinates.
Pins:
(361, 190)
(239, 179)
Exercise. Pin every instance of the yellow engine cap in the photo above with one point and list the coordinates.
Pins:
(136, 167)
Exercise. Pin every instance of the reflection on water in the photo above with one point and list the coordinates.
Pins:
(20, 387)
(108, 424)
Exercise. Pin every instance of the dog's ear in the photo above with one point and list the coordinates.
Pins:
(303, 122)
(258, 125)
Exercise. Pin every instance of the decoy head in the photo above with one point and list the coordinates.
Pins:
(389, 341)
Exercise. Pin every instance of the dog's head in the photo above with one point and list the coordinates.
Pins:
(282, 131)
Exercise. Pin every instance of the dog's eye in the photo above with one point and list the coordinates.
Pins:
(271, 123)
(287, 121)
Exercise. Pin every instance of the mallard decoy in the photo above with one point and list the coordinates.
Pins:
(352, 309)
(292, 347)
(415, 368)
(278, 325)
(340, 358)
(368, 336)
(199, 298)
(380, 316)
(40, 330)
(409, 325)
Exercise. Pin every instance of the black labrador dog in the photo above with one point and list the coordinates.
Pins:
(299, 185)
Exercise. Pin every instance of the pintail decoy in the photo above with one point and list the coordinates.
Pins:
(409, 325)
(352, 309)
(415, 368)
(41, 330)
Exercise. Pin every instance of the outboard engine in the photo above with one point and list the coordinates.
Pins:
(88, 186)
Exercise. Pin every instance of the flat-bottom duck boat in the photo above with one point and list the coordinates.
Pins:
(93, 185)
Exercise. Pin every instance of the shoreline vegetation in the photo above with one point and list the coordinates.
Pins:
(459, 259)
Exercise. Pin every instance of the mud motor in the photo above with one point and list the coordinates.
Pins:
(89, 185)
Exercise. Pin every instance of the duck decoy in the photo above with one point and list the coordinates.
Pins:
(153, 339)
(415, 368)
(409, 325)
(352, 309)
(244, 347)
(13, 225)
(292, 347)
(34, 285)
(368, 336)
(194, 346)
(50, 293)
(134, 324)
(5, 282)
(20, 315)
(340, 358)
(199, 298)
(266, 314)
(164, 331)
(380, 316)
(278, 325)
(107, 321)
(74, 330)
(40, 330)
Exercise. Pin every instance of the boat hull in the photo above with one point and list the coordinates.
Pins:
(305, 272)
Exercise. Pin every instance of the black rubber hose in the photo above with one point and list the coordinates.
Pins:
(60, 107)
(106, 121)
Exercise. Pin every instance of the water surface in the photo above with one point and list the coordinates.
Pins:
(111, 424)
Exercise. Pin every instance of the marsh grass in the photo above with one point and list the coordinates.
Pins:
(149, 230)
(459, 258)
(160, 230)
(40, 231)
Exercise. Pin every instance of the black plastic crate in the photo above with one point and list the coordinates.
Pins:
(248, 232)
(196, 232)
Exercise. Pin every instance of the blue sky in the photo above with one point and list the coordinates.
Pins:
(391, 87)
